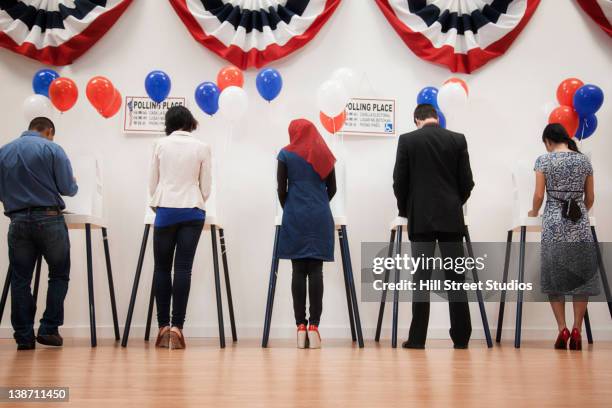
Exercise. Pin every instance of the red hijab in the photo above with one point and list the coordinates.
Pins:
(306, 142)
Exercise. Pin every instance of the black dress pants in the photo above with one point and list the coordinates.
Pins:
(451, 245)
(310, 270)
(176, 243)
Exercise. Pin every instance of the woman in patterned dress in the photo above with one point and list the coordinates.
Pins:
(568, 258)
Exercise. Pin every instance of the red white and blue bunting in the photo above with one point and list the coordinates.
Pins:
(56, 32)
(253, 33)
(463, 35)
(600, 11)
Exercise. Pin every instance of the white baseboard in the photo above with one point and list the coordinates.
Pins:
(334, 332)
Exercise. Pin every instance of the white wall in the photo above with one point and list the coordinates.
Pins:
(505, 123)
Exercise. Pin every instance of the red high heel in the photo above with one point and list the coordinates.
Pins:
(562, 339)
(575, 340)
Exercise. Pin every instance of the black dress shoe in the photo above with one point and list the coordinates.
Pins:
(408, 345)
(50, 340)
(460, 346)
(26, 346)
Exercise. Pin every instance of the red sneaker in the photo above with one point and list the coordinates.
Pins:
(302, 336)
(314, 338)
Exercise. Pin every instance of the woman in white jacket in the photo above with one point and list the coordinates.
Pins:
(179, 185)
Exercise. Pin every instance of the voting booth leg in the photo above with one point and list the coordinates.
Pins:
(213, 235)
(5, 292)
(111, 285)
(383, 298)
(351, 279)
(90, 287)
(587, 327)
(150, 310)
(502, 302)
(521, 279)
(228, 288)
(396, 292)
(37, 280)
(481, 304)
(128, 320)
(347, 286)
(602, 272)
(271, 290)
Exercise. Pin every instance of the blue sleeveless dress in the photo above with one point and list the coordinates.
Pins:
(307, 229)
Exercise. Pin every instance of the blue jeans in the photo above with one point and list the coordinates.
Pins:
(32, 234)
(176, 242)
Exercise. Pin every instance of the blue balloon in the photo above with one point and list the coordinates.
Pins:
(429, 96)
(441, 119)
(207, 97)
(157, 85)
(587, 127)
(588, 99)
(42, 80)
(269, 83)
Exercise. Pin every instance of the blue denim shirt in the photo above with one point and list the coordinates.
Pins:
(34, 172)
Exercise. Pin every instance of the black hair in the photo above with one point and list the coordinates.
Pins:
(180, 118)
(425, 111)
(40, 124)
(556, 133)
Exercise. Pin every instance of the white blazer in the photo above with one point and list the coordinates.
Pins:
(180, 174)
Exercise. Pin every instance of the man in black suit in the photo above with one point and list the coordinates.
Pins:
(432, 180)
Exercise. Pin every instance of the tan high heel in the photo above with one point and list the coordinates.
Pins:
(177, 340)
(163, 337)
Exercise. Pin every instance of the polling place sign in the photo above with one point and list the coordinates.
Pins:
(143, 115)
(375, 117)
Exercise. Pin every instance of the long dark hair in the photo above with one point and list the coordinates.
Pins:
(556, 133)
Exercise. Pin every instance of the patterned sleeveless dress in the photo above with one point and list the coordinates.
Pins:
(569, 259)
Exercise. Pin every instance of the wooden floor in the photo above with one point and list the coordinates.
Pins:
(339, 375)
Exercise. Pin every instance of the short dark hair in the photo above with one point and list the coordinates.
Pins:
(180, 118)
(40, 124)
(425, 111)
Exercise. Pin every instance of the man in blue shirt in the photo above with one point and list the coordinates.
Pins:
(34, 174)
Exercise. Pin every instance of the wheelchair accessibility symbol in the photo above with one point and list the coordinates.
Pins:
(388, 127)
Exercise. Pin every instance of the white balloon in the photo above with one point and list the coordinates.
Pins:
(233, 103)
(348, 78)
(332, 98)
(37, 106)
(452, 98)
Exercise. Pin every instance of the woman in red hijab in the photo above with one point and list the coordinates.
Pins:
(306, 184)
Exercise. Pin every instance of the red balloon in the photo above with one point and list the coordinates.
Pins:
(114, 107)
(566, 91)
(230, 76)
(100, 92)
(333, 125)
(63, 93)
(460, 82)
(567, 117)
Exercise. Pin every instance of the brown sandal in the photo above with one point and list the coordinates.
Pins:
(177, 340)
(163, 337)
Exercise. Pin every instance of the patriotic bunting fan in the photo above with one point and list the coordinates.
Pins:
(254, 32)
(462, 34)
(600, 11)
(56, 32)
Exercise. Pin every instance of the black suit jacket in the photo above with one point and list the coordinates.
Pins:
(432, 179)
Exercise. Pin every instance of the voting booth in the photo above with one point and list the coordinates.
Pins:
(523, 186)
(84, 211)
(397, 227)
(337, 205)
(211, 224)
